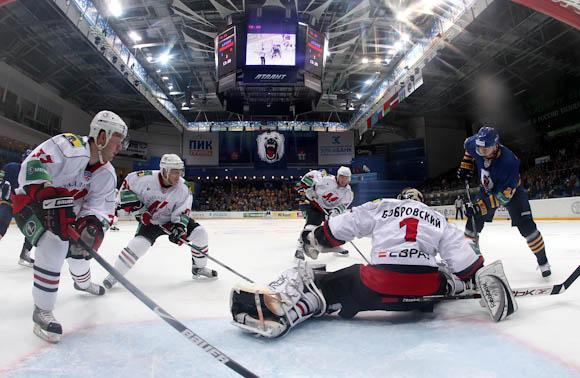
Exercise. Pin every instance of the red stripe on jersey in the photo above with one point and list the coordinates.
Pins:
(388, 282)
(46, 281)
(470, 271)
(333, 242)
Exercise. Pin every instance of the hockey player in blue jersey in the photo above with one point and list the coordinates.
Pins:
(8, 184)
(500, 184)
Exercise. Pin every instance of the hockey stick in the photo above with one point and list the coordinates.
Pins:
(169, 319)
(521, 292)
(193, 246)
(471, 204)
(355, 247)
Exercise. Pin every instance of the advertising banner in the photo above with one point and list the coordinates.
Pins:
(335, 148)
(201, 148)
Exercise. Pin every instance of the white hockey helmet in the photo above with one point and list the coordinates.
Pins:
(412, 194)
(344, 171)
(110, 123)
(169, 162)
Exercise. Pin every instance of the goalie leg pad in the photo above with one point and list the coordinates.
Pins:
(495, 291)
(286, 302)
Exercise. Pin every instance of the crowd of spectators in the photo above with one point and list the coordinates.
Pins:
(242, 195)
(11, 150)
(550, 170)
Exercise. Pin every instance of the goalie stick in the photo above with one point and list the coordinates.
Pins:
(521, 292)
(167, 317)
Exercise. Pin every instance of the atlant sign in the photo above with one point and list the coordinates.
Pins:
(260, 77)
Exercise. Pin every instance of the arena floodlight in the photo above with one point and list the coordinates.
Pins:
(115, 8)
(164, 58)
(135, 36)
(365, 60)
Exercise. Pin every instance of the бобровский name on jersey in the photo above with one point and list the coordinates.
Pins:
(415, 212)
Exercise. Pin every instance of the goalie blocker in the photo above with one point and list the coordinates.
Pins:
(303, 292)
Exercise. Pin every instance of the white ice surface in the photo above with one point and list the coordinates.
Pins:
(117, 336)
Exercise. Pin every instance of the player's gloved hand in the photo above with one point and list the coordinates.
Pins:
(464, 173)
(92, 232)
(57, 210)
(5, 189)
(477, 209)
(178, 234)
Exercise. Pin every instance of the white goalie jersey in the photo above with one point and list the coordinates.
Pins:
(165, 204)
(405, 232)
(62, 161)
(324, 190)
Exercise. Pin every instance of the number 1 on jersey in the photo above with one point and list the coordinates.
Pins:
(411, 224)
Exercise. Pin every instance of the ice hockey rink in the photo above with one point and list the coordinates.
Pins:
(117, 336)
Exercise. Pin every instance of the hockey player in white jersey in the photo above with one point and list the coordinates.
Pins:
(406, 237)
(161, 201)
(328, 196)
(67, 182)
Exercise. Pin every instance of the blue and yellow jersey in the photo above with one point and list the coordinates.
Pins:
(498, 177)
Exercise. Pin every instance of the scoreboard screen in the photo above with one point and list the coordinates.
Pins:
(226, 52)
(314, 52)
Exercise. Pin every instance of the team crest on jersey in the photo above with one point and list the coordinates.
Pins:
(486, 180)
(87, 175)
(270, 146)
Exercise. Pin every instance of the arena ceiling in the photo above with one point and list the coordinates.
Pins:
(367, 39)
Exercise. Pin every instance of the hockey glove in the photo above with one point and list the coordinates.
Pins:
(466, 168)
(57, 210)
(92, 232)
(464, 174)
(178, 234)
(478, 209)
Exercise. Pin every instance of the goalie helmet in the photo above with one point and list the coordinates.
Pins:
(169, 162)
(412, 194)
(344, 171)
(110, 123)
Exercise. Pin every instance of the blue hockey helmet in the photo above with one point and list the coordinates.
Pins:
(487, 137)
(25, 154)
